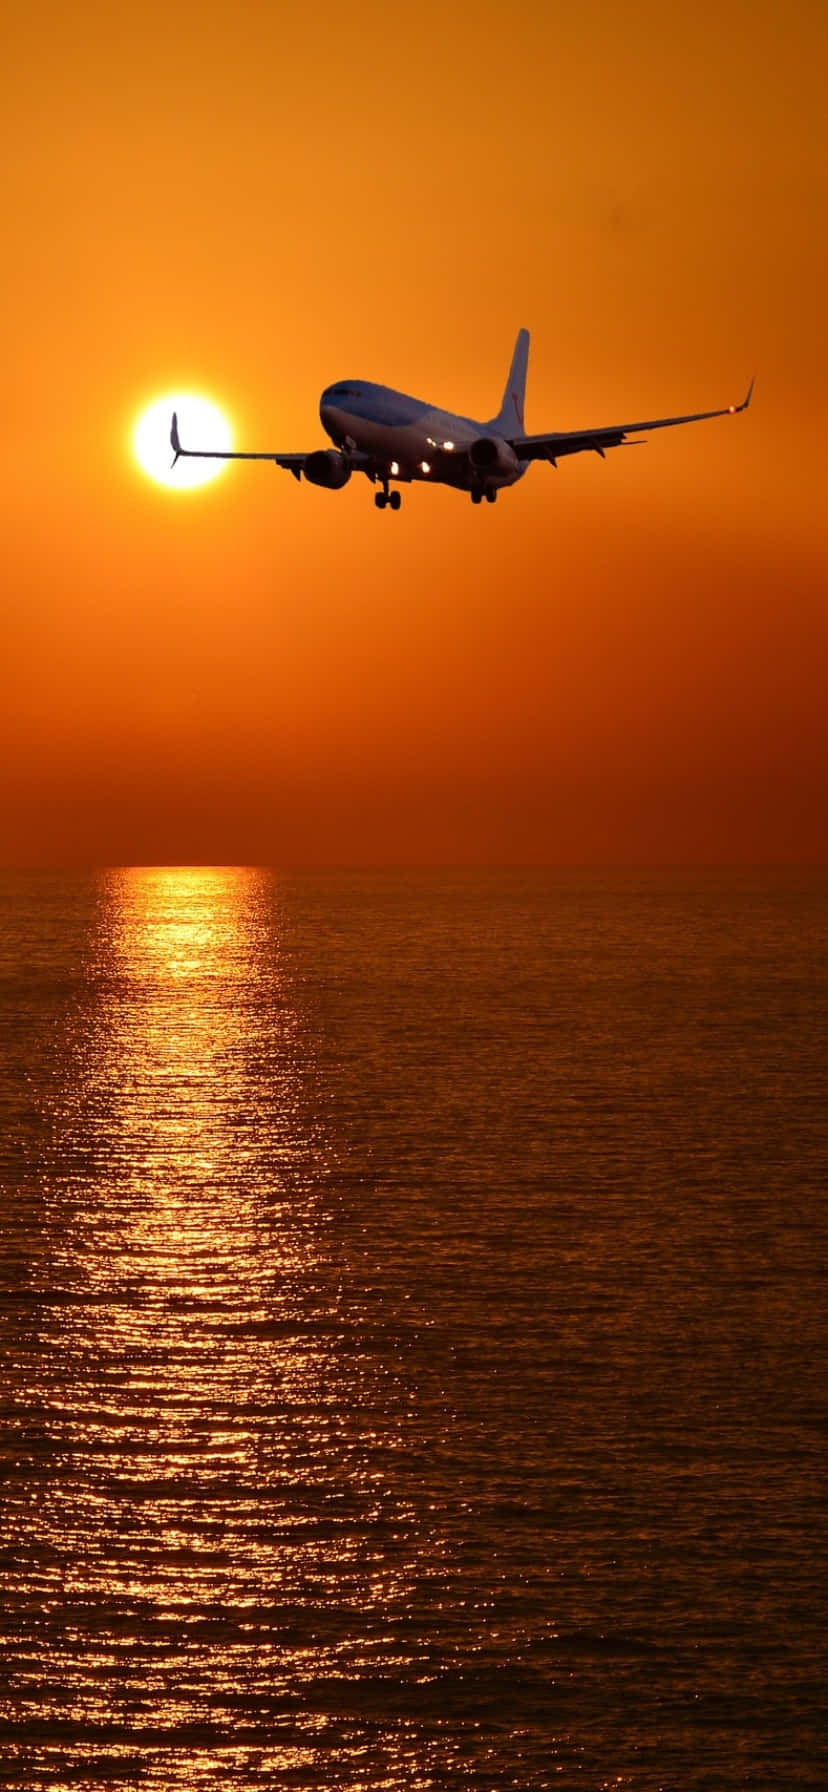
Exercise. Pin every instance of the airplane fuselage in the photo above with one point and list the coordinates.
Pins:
(415, 440)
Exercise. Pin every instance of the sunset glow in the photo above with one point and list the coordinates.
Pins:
(620, 660)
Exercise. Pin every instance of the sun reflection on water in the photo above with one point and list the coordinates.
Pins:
(403, 1384)
(192, 1076)
(192, 1093)
(213, 1495)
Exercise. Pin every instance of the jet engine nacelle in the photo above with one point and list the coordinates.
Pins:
(327, 467)
(490, 454)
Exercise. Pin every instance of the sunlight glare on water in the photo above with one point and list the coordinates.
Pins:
(411, 1331)
(190, 1380)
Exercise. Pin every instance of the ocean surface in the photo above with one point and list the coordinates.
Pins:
(413, 1330)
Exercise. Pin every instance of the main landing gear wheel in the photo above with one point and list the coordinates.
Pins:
(392, 499)
(490, 497)
(395, 500)
(380, 499)
(476, 497)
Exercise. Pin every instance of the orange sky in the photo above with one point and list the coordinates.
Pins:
(620, 661)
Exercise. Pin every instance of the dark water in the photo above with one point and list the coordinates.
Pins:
(413, 1344)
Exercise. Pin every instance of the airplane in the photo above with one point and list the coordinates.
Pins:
(391, 437)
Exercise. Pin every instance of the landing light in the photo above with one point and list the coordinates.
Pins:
(395, 467)
(424, 466)
(448, 447)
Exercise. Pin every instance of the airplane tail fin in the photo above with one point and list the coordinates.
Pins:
(509, 419)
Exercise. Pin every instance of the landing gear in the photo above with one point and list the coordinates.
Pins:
(476, 497)
(490, 495)
(392, 499)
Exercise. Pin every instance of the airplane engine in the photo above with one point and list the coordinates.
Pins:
(327, 467)
(490, 454)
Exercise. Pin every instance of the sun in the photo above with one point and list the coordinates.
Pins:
(201, 424)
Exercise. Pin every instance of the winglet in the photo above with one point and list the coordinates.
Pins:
(745, 401)
(174, 440)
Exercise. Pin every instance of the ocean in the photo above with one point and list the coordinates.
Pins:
(413, 1330)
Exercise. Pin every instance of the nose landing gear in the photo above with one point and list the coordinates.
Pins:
(489, 494)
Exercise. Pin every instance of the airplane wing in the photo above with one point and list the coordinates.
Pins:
(580, 441)
(293, 463)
